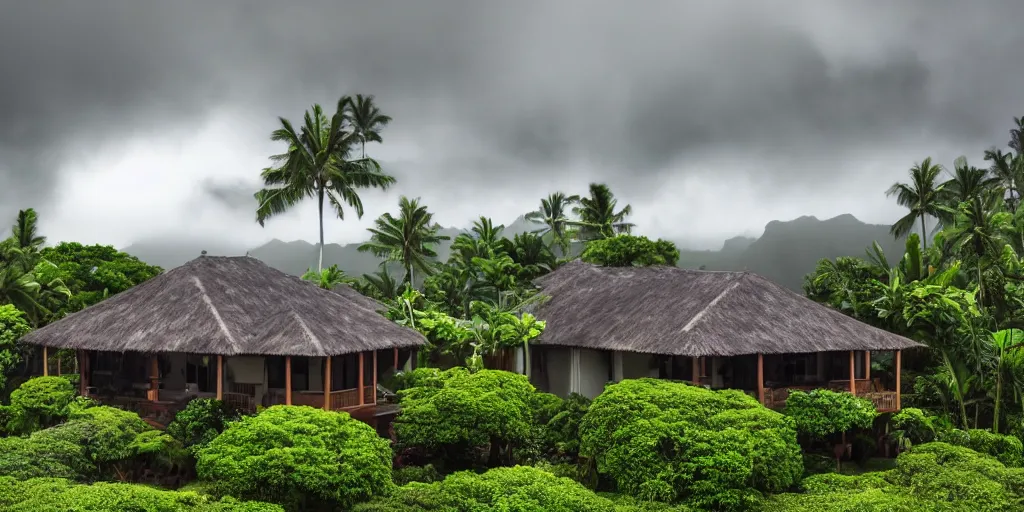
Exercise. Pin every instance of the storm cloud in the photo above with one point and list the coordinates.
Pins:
(126, 119)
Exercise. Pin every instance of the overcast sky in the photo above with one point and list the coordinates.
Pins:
(129, 120)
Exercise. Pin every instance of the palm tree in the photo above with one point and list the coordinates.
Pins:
(408, 238)
(977, 233)
(1007, 170)
(553, 214)
(367, 121)
(967, 183)
(922, 196)
(327, 278)
(597, 216)
(316, 165)
(1003, 344)
(380, 285)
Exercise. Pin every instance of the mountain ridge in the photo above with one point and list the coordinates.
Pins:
(785, 252)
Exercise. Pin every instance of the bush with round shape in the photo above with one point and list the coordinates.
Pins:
(199, 422)
(41, 402)
(670, 441)
(460, 412)
(821, 413)
(630, 251)
(1007, 449)
(300, 457)
(913, 426)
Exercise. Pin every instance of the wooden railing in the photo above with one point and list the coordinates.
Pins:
(350, 398)
(243, 402)
(884, 401)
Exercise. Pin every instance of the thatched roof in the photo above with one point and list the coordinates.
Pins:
(229, 306)
(673, 311)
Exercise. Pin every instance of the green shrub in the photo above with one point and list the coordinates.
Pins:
(199, 422)
(41, 402)
(457, 412)
(519, 488)
(300, 457)
(821, 413)
(119, 444)
(1008, 449)
(57, 495)
(913, 426)
(13, 326)
(669, 441)
(946, 474)
(630, 251)
(39, 457)
(407, 474)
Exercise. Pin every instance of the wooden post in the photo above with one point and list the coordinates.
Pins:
(46, 362)
(374, 377)
(760, 378)
(396, 359)
(82, 384)
(867, 364)
(696, 370)
(898, 369)
(288, 380)
(154, 379)
(327, 383)
(58, 364)
(362, 365)
(220, 377)
(853, 375)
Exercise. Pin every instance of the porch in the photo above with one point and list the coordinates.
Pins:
(767, 377)
(158, 385)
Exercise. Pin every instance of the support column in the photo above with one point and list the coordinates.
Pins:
(853, 374)
(760, 378)
(327, 383)
(154, 379)
(46, 362)
(898, 370)
(288, 380)
(362, 366)
(220, 377)
(867, 364)
(696, 370)
(617, 366)
(83, 385)
(374, 377)
(396, 359)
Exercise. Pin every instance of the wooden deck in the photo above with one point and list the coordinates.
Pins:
(884, 401)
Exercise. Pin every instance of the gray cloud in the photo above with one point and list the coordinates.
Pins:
(496, 93)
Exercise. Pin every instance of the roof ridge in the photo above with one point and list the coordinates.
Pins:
(216, 313)
(700, 314)
(309, 334)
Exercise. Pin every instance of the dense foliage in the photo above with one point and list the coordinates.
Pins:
(821, 412)
(300, 457)
(630, 251)
(54, 494)
(199, 422)
(669, 441)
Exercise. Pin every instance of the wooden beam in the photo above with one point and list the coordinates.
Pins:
(867, 364)
(853, 375)
(82, 384)
(696, 370)
(287, 380)
(220, 377)
(362, 366)
(760, 378)
(154, 378)
(898, 371)
(46, 362)
(396, 359)
(374, 377)
(327, 383)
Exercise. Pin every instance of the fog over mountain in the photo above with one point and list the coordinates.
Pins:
(786, 252)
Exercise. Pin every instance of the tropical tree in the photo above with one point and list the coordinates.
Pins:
(1004, 344)
(317, 164)
(923, 196)
(967, 183)
(597, 215)
(380, 285)
(327, 278)
(1007, 170)
(554, 215)
(367, 120)
(408, 238)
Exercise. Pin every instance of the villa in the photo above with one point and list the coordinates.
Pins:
(235, 329)
(719, 329)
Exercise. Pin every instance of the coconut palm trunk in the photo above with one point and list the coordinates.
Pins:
(320, 212)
